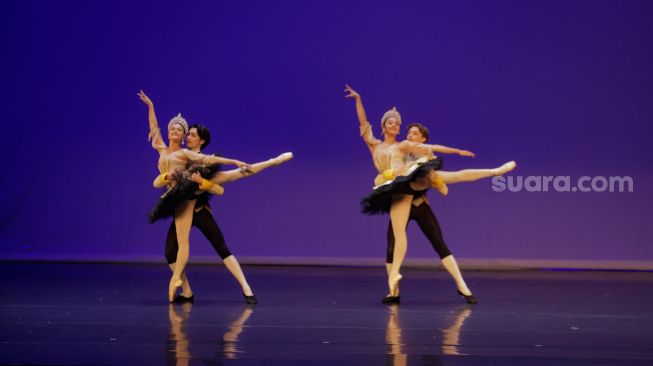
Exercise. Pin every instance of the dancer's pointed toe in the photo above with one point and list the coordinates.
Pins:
(283, 158)
(172, 288)
(393, 282)
(505, 168)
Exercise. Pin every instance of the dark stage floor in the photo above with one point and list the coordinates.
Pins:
(103, 314)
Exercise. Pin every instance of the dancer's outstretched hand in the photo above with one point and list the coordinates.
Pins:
(146, 100)
(466, 153)
(351, 92)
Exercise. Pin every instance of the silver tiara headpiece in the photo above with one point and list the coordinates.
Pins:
(178, 119)
(391, 113)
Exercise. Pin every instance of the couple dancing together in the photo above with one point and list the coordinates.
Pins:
(189, 177)
(407, 169)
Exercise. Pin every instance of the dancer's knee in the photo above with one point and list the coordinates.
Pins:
(442, 250)
(224, 252)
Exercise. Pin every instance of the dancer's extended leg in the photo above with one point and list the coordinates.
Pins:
(183, 222)
(399, 212)
(390, 251)
(234, 267)
(451, 266)
(171, 256)
(471, 175)
(205, 222)
(235, 174)
(428, 223)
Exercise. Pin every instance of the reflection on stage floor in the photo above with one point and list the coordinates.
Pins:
(111, 314)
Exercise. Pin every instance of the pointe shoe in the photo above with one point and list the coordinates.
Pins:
(250, 300)
(471, 299)
(393, 283)
(172, 289)
(282, 158)
(439, 185)
(505, 168)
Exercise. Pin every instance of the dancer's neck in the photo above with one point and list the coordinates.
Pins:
(174, 146)
(389, 139)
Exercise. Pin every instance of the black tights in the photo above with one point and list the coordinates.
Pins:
(203, 220)
(427, 222)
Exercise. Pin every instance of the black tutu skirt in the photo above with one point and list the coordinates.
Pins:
(184, 189)
(379, 201)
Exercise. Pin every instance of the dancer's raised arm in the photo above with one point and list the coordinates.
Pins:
(365, 127)
(212, 159)
(155, 131)
(450, 150)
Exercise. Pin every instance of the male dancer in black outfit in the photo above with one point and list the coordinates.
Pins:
(422, 213)
(198, 139)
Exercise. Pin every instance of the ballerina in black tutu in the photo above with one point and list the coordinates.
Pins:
(397, 182)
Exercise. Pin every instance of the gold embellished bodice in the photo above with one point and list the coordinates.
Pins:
(387, 157)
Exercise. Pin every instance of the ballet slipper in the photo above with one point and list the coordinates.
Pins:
(505, 168)
(250, 300)
(466, 293)
(470, 299)
(247, 291)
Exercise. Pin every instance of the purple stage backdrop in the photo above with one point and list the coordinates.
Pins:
(565, 88)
